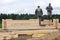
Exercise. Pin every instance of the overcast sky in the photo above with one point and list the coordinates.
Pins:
(27, 6)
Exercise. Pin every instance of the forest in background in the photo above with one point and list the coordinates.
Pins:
(25, 17)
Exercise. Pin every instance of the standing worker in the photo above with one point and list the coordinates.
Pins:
(39, 13)
(49, 10)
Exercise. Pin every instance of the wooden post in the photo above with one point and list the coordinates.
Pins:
(56, 22)
(4, 24)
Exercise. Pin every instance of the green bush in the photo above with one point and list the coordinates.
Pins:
(0, 25)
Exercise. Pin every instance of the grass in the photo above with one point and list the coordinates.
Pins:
(0, 25)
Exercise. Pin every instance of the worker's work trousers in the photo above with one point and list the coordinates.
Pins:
(49, 15)
(40, 19)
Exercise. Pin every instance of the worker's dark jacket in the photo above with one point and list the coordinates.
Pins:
(38, 12)
(49, 9)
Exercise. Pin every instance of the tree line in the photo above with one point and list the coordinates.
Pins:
(25, 16)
